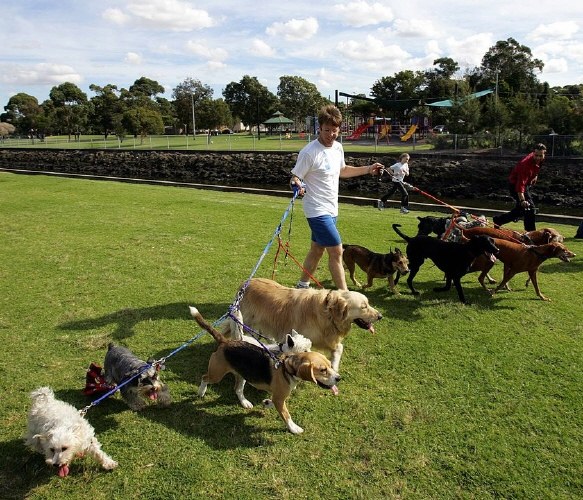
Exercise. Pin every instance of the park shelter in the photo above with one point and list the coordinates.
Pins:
(278, 123)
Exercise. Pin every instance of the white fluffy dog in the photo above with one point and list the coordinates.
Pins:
(57, 430)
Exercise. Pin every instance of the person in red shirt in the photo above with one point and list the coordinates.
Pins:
(522, 176)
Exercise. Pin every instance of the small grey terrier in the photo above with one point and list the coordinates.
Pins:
(121, 364)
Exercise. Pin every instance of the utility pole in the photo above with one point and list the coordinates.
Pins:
(193, 121)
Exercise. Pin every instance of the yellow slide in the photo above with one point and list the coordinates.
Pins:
(409, 133)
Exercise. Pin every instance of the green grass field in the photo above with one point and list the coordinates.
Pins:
(444, 401)
(224, 142)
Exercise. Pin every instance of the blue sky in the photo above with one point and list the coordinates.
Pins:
(344, 45)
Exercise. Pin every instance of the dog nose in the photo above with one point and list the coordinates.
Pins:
(380, 316)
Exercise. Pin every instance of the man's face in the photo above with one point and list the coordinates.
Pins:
(328, 134)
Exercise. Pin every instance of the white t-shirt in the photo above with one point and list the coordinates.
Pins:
(319, 167)
(398, 171)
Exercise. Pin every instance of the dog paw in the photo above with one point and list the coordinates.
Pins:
(245, 403)
(110, 464)
(267, 403)
(294, 428)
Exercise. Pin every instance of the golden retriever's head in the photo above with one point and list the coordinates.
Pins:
(313, 367)
(346, 307)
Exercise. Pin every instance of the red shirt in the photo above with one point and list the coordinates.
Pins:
(524, 173)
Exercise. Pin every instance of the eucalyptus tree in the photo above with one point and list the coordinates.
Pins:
(107, 109)
(299, 98)
(250, 101)
(71, 108)
(187, 96)
(23, 112)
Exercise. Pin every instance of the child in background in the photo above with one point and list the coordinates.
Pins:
(398, 172)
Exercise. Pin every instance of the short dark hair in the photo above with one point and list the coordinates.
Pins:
(540, 147)
(330, 115)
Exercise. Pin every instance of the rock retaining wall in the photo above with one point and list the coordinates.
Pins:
(444, 176)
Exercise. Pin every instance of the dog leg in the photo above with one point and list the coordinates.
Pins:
(392, 284)
(98, 454)
(460, 292)
(281, 407)
(239, 388)
(444, 288)
(336, 355)
(412, 274)
(351, 269)
(203, 386)
(533, 278)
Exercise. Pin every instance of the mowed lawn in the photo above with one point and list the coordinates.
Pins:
(443, 401)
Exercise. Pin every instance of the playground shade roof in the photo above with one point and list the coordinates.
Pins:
(448, 103)
(278, 119)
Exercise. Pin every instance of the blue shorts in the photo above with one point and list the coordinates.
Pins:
(324, 231)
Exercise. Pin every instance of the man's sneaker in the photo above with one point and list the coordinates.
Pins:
(380, 205)
(302, 285)
(404, 210)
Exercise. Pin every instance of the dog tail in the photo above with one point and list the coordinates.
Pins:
(398, 231)
(218, 336)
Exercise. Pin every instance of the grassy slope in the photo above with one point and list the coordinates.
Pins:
(444, 401)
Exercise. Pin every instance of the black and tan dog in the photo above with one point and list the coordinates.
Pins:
(249, 362)
(454, 259)
(375, 265)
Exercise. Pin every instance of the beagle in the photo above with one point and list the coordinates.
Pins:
(250, 362)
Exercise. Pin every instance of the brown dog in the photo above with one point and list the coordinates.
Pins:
(323, 316)
(250, 362)
(501, 233)
(545, 235)
(375, 265)
(519, 258)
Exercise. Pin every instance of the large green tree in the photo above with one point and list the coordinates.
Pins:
(107, 109)
(250, 101)
(23, 111)
(299, 98)
(188, 96)
(71, 108)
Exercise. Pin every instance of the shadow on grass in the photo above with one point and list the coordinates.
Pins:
(125, 320)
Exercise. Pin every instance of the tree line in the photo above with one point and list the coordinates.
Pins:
(519, 105)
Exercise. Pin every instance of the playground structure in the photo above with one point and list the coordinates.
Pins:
(384, 128)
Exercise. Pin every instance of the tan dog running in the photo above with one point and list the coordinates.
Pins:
(375, 265)
(323, 316)
(249, 362)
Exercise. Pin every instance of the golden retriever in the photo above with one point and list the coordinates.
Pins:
(323, 316)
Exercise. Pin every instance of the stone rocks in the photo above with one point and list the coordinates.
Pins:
(448, 177)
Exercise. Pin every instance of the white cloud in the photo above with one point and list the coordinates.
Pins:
(294, 29)
(260, 48)
(133, 59)
(564, 30)
(371, 49)
(413, 28)
(360, 13)
(203, 50)
(116, 16)
(556, 66)
(174, 15)
(39, 74)
(469, 51)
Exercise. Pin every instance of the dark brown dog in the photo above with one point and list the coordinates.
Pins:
(375, 265)
(251, 363)
(545, 235)
(519, 258)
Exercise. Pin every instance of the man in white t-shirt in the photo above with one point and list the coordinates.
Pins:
(316, 175)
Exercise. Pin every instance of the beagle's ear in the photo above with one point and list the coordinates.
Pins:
(306, 372)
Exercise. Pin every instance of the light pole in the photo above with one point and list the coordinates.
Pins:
(193, 121)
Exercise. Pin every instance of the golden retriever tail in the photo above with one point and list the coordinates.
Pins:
(218, 336)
